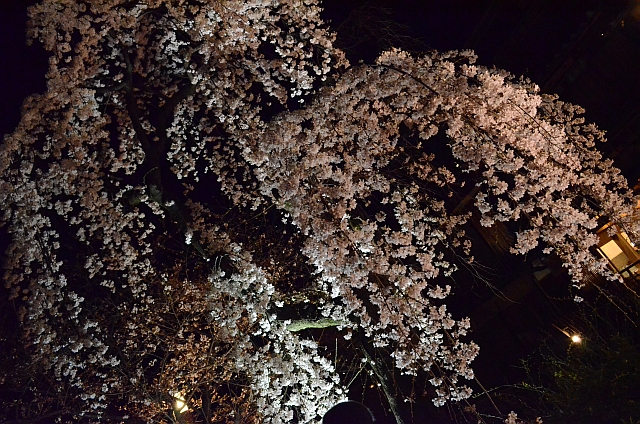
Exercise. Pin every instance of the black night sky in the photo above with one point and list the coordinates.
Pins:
(587, 51)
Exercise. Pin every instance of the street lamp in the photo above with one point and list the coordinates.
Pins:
(179, 403)
(575, 337)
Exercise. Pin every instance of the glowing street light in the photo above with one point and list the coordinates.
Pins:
(179, 404)
(575, 338)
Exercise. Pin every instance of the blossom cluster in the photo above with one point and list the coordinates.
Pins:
(163, 122)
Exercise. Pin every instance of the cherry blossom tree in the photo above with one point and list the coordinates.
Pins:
(202, 181)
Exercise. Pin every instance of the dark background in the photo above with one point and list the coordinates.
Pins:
(587, 51)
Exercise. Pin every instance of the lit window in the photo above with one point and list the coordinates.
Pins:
(622, 255)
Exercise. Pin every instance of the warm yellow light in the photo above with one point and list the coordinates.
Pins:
(576, 339)
(611, 250)
(180, 404)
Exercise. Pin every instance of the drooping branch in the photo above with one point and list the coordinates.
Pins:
(382, 380)
(155, 167)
